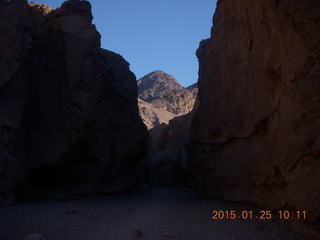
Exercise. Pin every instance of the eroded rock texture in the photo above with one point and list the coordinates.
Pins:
(256, 133)
(163, 91)
(68, 109)
(152, 116)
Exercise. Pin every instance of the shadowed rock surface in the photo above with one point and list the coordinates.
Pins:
(163, 91)
(169, 162)
(68, 109)
(169, 152)
(256, 132)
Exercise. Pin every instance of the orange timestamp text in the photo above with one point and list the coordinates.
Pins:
(263, 214)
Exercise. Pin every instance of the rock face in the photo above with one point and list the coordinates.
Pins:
(168, 164)
(152, 116)
(164, 92)
(68, 109)
(167, 115)
(256, 133)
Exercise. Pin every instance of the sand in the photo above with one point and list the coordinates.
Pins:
(158, 213)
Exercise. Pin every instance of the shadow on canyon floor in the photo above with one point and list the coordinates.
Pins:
(155, 213)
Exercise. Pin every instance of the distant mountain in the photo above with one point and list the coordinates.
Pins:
(164, 92)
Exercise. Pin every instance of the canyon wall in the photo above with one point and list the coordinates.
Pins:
(168, 163)
(256, 133)
(69, 116)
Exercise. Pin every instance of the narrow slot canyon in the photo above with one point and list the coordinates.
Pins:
(88, 150)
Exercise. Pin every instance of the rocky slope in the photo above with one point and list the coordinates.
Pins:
(152, 116)
(193, 89)
(255, 135)
(68, 109)
(163, 91)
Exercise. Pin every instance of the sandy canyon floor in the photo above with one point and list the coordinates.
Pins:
(157, 213)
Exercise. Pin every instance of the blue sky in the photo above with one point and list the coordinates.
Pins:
(153, 34)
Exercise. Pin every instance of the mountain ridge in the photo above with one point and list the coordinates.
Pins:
(163, 91)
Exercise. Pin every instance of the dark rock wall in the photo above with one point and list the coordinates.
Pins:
(16, 31)
(169, 162)
(68, 109)
(256, 133)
